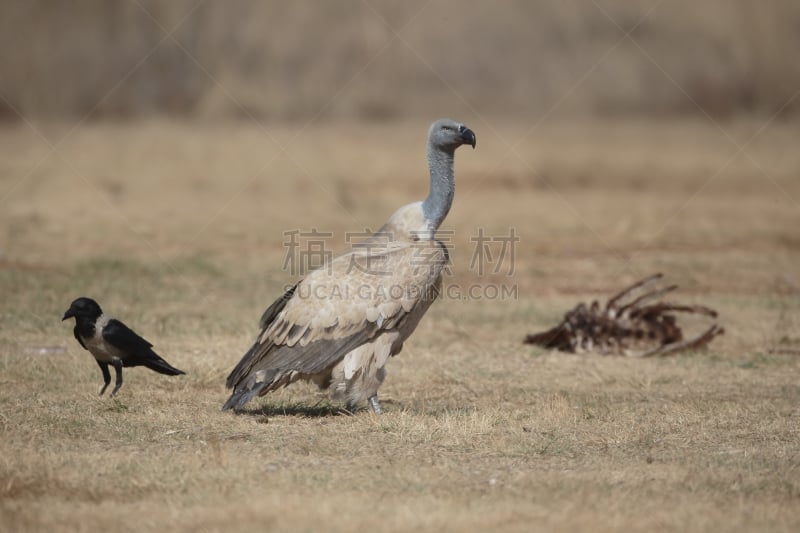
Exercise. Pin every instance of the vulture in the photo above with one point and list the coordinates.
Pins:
(338, 326)
(112, 343)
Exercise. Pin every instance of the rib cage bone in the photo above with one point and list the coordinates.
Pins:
(629, 325)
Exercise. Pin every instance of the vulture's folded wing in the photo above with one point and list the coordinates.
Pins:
(335, 309)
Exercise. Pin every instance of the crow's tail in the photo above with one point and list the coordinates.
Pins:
(155, 362)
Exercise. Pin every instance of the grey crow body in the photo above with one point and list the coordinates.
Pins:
(113, 343)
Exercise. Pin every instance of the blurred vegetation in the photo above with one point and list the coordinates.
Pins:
(384, 59)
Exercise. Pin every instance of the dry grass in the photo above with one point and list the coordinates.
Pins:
(177, 228)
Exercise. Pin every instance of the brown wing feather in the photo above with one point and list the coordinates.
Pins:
(334, 310)
(276, 307)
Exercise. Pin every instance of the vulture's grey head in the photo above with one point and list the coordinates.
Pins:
(447, 134)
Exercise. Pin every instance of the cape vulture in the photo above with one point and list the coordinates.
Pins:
(338, 326)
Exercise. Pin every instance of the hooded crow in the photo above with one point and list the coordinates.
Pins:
(113, 343)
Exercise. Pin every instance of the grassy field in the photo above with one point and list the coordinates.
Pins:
(178, 229)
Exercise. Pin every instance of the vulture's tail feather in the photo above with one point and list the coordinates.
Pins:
(240, 397)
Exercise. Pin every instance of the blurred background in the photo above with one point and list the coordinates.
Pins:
(382, 59)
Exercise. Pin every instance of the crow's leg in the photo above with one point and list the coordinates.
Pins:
(118, 368)
(106, 375)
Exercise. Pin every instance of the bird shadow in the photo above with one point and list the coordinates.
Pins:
(318, 410)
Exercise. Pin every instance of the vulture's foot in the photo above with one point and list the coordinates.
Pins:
(375, 405)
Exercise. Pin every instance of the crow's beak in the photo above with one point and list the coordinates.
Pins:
(467, 136)
(68, 314)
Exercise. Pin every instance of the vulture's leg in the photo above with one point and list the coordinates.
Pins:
(106, 375)
(375, 405)
(118, 368)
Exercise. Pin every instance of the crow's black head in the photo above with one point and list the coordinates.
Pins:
(83, 308)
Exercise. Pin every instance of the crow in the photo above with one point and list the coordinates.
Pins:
(113, 343)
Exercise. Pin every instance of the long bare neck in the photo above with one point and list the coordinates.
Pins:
(440, 198)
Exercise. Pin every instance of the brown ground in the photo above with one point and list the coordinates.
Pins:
(178, 229)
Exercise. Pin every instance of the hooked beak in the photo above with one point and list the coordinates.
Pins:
(69, 314)
(467, 136)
